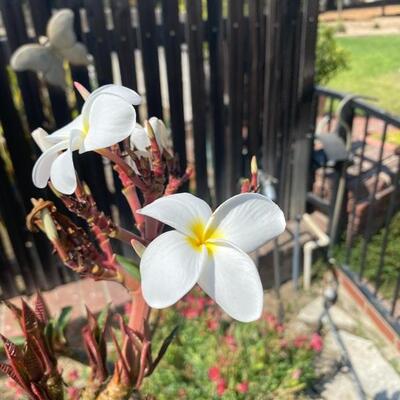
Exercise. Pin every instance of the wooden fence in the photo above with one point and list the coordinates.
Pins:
(231, 78)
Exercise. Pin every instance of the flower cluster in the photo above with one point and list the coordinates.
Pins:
(205, 247)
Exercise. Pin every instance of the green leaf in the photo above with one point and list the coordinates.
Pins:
(101, 318)
(63, 319)
(130, 266)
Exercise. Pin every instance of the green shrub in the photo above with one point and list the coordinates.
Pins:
(331, 58)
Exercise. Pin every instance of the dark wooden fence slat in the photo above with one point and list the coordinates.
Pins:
(255, 77)
(14, 23)
(172, 48)
(289, 82)
(215, 36)
(194, 29)
(302, 148)
(124, 41)
(41, 13)
(11, 210)
(234, 141)
(7, 282)
(149, 50)
(21, 155)
(101, 43)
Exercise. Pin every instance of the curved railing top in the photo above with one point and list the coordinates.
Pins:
(362, 105)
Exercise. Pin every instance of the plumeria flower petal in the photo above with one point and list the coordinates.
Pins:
(183, 211)
(107, 118)
(129, 95)
(231, 278)
(139, 140)
(41, 169)
(260, 220)
(214, 244)
(176, 266)
(160, 132)
(62, 172)
(40, 136)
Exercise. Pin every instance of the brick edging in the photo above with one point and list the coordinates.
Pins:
(364, 304)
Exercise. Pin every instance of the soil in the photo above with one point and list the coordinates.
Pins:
(365, 21)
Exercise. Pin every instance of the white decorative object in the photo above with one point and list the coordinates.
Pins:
(47, 57)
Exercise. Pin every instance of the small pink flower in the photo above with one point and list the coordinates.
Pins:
(279, 328)
(214, 374)
(296, 374)
(190, 313)
(73, 375)
(300, 341)
(316, 342)
(283, 344)
(212, 324)
(231, 342)
(73, 393)
(221, 387)
(242, 387)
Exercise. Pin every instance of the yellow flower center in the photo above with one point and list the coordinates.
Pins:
(85, 127)
(202, 237)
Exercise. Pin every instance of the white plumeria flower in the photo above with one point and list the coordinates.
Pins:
(140, 138)
(107, 118)
(209, 249)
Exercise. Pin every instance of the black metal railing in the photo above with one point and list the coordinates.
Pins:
(365, 245)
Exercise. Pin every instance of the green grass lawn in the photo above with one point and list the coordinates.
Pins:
(374, 69)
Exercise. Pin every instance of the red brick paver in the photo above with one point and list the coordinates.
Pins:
(77, 294)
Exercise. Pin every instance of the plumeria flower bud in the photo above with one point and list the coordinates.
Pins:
(40, 217)
(140, 138)
(253, 165)
(138, 247)
(49, 226)
(82, 90)
(254, 173)
(107, 118)
(209, 248)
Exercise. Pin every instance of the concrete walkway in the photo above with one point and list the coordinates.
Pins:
(379, 380)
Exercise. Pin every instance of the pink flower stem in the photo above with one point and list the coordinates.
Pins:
(132, 198)
(120, 163)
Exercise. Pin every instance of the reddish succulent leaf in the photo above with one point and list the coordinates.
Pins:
(15, 358)
(29, 320)
(33, 365)
(39, 392)
(122, 368)
(8, 370)
(143, 363)
(41, 310)
(96, 354)
(46, 358)
(92, 321)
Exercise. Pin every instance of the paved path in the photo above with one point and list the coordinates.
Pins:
(96, 295)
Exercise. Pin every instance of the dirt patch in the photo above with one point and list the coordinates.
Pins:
(360, 14)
